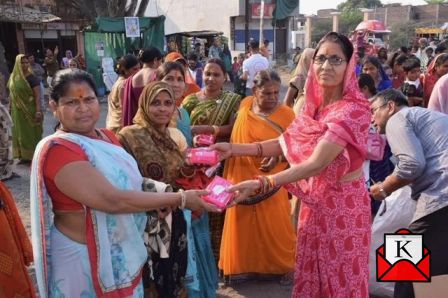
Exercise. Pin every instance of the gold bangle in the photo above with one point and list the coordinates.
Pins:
(187, 176)
(271, 181)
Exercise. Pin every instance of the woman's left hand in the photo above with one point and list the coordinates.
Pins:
(201, 129)
(268, 163)
(375, 192)
(243, 190)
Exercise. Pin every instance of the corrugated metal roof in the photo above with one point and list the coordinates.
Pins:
(17, 14)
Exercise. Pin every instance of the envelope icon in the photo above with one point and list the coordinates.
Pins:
(402, 270)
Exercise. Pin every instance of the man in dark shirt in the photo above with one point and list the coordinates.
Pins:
(51, 64)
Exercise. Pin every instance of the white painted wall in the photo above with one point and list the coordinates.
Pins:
(196, 15)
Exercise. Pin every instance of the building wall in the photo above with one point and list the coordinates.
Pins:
(195, 15)
(392, 15)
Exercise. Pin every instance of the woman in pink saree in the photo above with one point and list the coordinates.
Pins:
(325, 147)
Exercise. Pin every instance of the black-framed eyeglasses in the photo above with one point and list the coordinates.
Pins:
(333, 60)
(373, 111)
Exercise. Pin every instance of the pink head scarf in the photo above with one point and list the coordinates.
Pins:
(344, 122)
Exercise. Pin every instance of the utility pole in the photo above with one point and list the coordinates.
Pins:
(246, 25)
(261, 22)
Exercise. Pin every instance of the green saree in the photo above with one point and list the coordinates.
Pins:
(26, 131)
(215, 111)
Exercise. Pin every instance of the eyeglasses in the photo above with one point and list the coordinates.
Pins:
(373, 111)
(333, 60)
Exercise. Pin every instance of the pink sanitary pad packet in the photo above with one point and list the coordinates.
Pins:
(204, 140)
(202, 156)
(218, 195)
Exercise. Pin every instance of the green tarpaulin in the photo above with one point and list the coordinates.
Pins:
(284, 8)
(107, 38)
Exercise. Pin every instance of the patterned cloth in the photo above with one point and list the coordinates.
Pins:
(114, 109)
(334, 220)
(159, 158)
(6, 159)
(26, 131)
(271, 238)
(15, 250)
(115, 247)
(215, 111)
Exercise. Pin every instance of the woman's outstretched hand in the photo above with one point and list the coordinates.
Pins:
(243, 190)
(224, 150)
(195, 202)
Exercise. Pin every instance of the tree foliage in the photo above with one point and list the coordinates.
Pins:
(435, 1)
(357, 4)
(320, 27)
(349, 20)
(402, 34)
(90, 9)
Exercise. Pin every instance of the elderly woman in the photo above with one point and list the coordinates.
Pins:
(326, 148)
(271, 238)
(26, 113)
(87, 203)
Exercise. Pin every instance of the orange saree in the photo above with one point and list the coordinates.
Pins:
(259, 239)
(15, 250)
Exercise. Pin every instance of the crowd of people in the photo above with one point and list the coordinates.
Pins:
(122, 207)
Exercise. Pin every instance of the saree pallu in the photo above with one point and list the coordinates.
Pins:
(334, 218)
(26, 132)
(115, 248)
(216, 111)
(258, 240)
(15, 250)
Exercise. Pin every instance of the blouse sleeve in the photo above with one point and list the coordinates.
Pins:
(33, 81)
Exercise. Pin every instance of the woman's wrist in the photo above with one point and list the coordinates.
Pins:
(183, 199)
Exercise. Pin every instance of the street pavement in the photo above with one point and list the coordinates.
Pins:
(20, 188)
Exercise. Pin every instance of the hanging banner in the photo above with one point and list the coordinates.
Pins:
(268, 10)
(132, 26)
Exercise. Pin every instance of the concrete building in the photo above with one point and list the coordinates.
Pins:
(30, 26)
(228, 17)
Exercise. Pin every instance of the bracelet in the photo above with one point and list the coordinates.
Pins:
(259, 150)
(187, 176)
(216, 130)
(183, 199)
(271, 180)
(382, 191)
(39, 113)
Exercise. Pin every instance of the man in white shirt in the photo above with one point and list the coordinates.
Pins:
(252, 65)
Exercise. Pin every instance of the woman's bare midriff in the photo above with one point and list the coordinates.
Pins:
(72, 224)
(352, 176)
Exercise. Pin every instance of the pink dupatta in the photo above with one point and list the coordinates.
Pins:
(345, 122)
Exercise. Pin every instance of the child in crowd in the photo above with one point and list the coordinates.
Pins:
(413, 86)
(366, 85)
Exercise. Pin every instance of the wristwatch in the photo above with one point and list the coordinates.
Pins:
(383, 192)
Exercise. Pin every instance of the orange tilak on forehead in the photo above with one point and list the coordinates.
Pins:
(78, 91)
